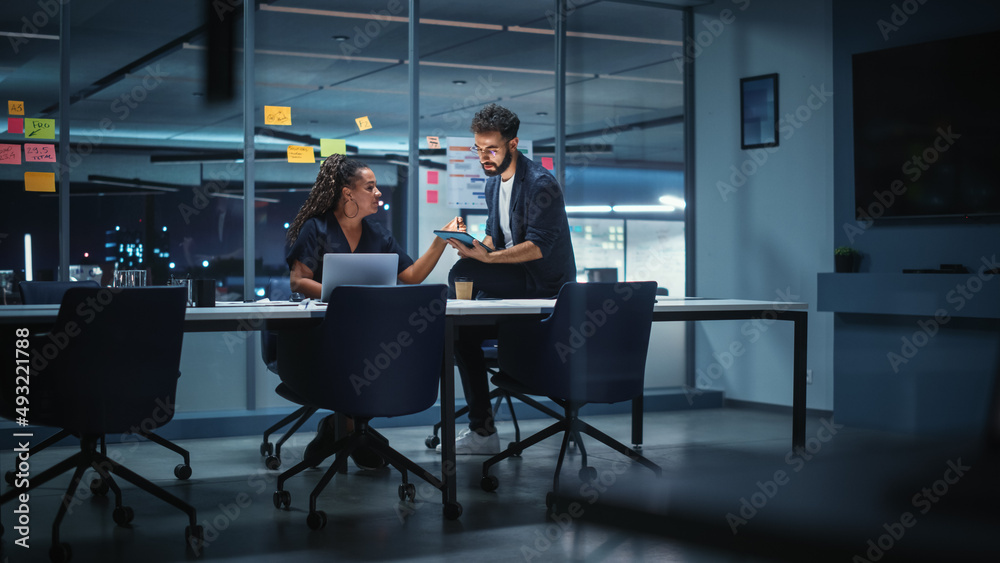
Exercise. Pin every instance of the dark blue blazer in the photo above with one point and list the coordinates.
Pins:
(538, 214)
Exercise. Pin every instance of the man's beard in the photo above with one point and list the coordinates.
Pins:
(504, 164)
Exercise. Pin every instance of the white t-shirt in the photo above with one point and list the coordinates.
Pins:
(505, 187)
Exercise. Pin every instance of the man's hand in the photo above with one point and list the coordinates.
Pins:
(456, 224)
(477, 252)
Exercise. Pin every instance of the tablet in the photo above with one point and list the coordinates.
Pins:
(462, 237)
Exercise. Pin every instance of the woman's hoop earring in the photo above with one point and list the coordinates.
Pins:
(357, 209)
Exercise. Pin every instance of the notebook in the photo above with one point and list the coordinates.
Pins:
(357, 269)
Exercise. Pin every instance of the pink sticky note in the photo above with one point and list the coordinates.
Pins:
(39, 153)
(10, 154)
(432, 196)
(15, 125)
(547, 163)
(432, 176)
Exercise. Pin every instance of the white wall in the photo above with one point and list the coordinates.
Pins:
(770, 234)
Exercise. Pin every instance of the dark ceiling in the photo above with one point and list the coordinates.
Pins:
(140, 67)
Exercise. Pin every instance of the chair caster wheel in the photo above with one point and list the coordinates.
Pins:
(431, 442)
(282, 499)
(588, 474)
(99, 486)
(60, 553)
(195, 538)
(407, 491)
(182, 471)
(515, 451)
(316, 520)
(489, 483)
(9, 478)
(452, 510)
(266, 448)
(272, 462)
(123, 515)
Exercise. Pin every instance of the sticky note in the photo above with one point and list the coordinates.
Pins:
(547, 163)
(10, 154)
(432, 176)
(39, 181)
(39, 153)
(15, 108)
(39, 128)
(301, 154)
(433, 142)
(363, 123)
(432, 196)
(332, 146)
(15, 125)
(277, 115)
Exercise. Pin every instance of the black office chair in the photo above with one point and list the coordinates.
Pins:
(366, 360)
(51, 293)
(117, 373)
(279, 290)
(591, 349)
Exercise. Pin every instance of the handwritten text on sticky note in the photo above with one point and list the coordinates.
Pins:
(363, 123)
(15, 107)
(277, 115)
(39, 128)
(10, 154)
(301, 154)
(39, 153)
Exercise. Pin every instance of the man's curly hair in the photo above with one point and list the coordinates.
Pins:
(496, 118)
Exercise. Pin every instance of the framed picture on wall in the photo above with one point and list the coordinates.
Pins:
(759, 111)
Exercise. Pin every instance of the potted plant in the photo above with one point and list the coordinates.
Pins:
(846, 259)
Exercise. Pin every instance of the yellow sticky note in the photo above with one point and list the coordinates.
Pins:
(15, 108)
(301, 154)
(363, 123)
(433, 142)
(332, 146)
(39, 181)
(277, 115)
(39, 128)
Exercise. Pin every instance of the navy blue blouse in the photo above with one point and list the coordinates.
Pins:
(322, 235)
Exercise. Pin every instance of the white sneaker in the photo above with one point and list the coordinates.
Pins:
(473, 443)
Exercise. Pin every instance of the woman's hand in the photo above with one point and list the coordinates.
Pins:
(456, 224)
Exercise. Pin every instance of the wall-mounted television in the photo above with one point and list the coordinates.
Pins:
(927, 130)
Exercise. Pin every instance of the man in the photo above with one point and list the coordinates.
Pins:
(526, 226)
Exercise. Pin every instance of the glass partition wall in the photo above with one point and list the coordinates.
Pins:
(158, 118)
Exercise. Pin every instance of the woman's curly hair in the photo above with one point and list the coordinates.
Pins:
(336, 172)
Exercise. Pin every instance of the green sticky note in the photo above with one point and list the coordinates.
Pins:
(332, 146)
(39, 128)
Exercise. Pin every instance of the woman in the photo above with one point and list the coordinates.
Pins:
(333, 219)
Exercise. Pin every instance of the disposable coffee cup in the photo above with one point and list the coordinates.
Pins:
(463, 288)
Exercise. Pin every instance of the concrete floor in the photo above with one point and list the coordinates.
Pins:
(232, 492)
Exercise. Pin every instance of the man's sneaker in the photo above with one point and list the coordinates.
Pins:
(470, 442)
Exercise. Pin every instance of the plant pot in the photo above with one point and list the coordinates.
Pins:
(845, 264)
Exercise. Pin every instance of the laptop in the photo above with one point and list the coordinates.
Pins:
(357, 269)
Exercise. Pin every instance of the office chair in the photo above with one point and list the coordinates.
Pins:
(51, 293)
(279, 290)
(117, 373)
(367, 360)
(591, 349)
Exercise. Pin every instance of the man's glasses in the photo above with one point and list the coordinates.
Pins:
(479, 152)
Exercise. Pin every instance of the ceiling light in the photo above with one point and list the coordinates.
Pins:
(644, 209)
(458, 82)
(588, 209)
(673, 201)
(542, 113)
(340, 38)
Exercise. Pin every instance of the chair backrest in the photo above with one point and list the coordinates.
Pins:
(377, 353)
(591, 349)
(48, 292)
(112, 359)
